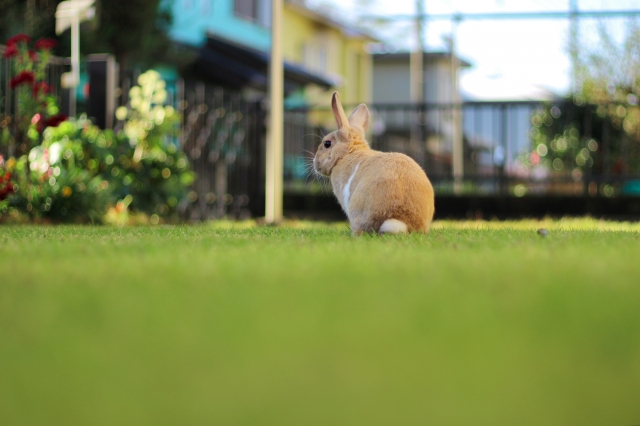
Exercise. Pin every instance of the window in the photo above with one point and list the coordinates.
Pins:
(317, 55)
(322, 60)
(206, 6)
(254, 10)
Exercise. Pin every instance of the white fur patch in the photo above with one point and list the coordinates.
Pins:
(393, 226)
(346, 191)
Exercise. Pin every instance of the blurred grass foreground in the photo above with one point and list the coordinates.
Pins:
(476, 323)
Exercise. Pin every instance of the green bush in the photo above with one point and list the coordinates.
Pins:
(150, 167)
(152, 184)
(56, 182)
(79, 170)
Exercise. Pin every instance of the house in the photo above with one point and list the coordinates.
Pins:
(479, 125)
(233, 39)
(330, 49)
(245, 22)
(433, 132)
(227, 44)
(391, 78)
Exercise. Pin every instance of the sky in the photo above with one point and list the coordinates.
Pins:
(510, 59)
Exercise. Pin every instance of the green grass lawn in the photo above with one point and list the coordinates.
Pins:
(475, 323)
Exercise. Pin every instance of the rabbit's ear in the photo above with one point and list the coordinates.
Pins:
(338, 112)
(359, 118)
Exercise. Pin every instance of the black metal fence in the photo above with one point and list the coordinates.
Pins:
(508, 148)
(223, 135)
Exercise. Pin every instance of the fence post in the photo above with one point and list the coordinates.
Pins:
(103, 80)
(457, 149)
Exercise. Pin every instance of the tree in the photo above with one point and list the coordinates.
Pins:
(34, 17)
(135, 31)
(596, 131)
(610, 78)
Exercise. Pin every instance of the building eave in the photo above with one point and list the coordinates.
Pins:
(237, 66)
(399, 57)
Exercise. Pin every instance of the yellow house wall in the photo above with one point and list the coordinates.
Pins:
(296, 30)
(347, 59)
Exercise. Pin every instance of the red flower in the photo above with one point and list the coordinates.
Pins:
(5, 190)
(41, 87)
(24, 77)
(39, 122)
(46, 44)
(7, 187)
(18, 38)
(55, 120)
(33, 56)
(11, 51)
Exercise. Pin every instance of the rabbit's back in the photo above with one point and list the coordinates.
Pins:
(390, 186)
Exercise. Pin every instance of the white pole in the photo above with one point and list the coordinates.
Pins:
(70, 13)
(457, 146)
(416, 60)
(416, 87)
(274, 169)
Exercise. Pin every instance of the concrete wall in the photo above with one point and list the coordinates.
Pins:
(391, 83)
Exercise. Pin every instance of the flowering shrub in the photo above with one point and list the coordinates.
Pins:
(46, 179)
(150, 167)
(54, 185)
(7, 187)
(72, 171)
(153, 185)
(36, 106)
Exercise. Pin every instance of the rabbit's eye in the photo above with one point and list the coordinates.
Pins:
(327, 144)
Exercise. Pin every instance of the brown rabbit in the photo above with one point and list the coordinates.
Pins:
(383, 192)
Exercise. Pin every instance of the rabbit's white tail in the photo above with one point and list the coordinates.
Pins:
(393, 226)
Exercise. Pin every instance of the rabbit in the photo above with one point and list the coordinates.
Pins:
(380, 192)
